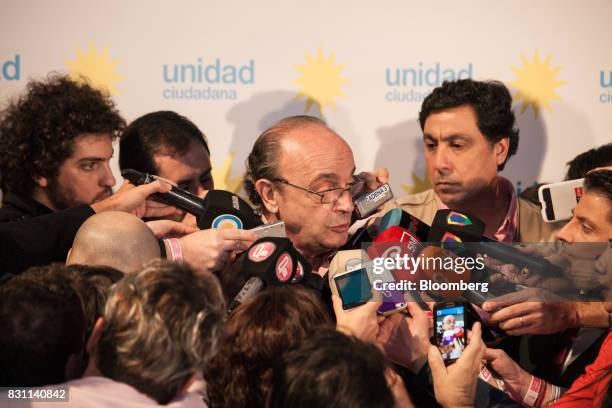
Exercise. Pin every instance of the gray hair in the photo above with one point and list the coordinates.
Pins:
(163, 324)
(263, 159)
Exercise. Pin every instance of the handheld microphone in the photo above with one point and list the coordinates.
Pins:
(219, 209)
(400, 218)
(454, 226)
(359, 240)
(396, 241)
(367, 204)
(270, 261)
(176, 197)
(223, 209)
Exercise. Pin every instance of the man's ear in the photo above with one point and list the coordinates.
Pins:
(183, 389)
(95, 335)
(501, 150)
(268, 194)
(40, 181)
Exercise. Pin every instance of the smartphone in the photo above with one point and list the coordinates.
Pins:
(393, 300)
(354, 288)
(275, 229)
(450, 329)
(559, 199)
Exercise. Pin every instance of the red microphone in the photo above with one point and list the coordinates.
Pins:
(397, 242)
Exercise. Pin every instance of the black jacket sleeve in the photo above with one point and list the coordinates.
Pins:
(39, 240)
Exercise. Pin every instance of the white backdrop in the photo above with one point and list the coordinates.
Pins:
(240, 66)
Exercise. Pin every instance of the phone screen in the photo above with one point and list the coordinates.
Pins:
(450, 332)
(354, 288)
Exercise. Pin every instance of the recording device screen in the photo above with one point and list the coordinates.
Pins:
(451, 336)
(354, 288)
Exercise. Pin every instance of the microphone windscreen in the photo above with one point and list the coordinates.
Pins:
(397, 242)
(397, 217)
(223, 209)
(359, 240)
(453, 226)
(275, 261)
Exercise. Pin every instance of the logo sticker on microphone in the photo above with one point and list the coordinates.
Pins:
(578, 192)
(450, 238)
(408, 237)
(284, 267)
(227, 221)
(455, 218)
(299, 273)
(261, 251)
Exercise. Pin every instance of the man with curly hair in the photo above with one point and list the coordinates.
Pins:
(56, 141)
(469, 134)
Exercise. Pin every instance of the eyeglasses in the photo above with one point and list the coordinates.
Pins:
(333, 194)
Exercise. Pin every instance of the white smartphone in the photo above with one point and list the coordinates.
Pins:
(559, 199)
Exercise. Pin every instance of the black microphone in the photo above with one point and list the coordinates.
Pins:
(270, 261)
(359, 240)
(223, 209)
(176, 197)
(219, 209)
(451, 226)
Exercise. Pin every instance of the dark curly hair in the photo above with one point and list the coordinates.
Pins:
(600, 182)
(153, 132)
(330, 369)
(37, 131)
(257, 334)
(491, 101)
(580, 165)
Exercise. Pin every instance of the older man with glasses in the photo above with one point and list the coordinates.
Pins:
(302, 172)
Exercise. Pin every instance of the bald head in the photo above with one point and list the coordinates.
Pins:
(115, 239)
(302, 146)
(288, 140)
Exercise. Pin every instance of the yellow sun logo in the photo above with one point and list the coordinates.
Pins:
(222, 176)
(536, 83)
(97, 68)
(419, 184)
(320, 80)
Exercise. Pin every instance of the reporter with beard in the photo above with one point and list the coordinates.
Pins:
(56, 141)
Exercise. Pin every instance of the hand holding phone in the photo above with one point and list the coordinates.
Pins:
(455, 385)
(354, 288)
(450, 329)
(361, 322)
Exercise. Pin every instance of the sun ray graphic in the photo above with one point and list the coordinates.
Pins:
(97, 68)
(222, 176)
(320, 81)
(418, 184)
(536, 83)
